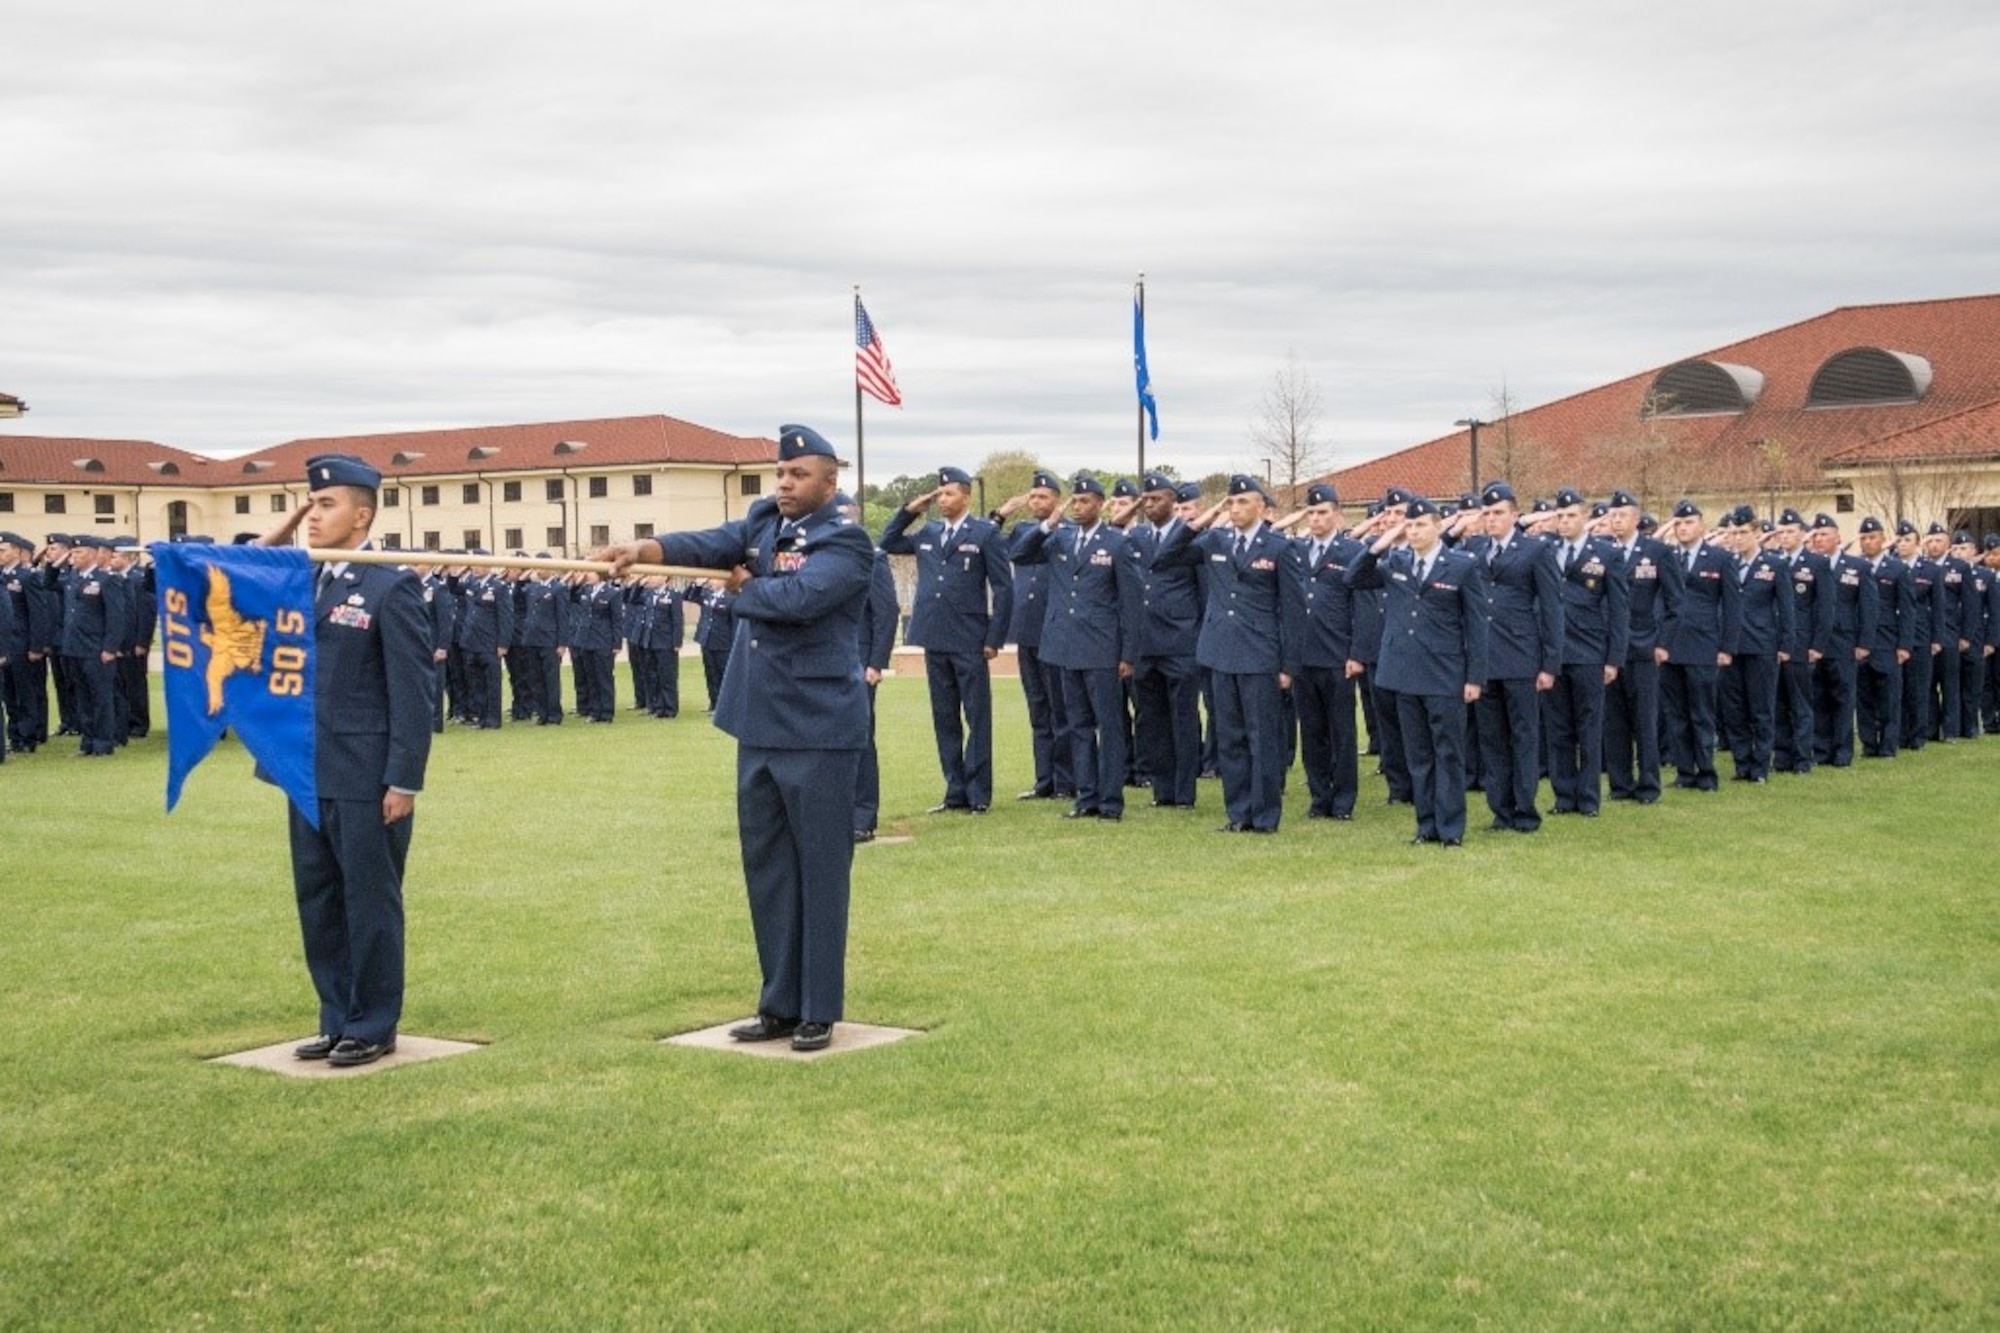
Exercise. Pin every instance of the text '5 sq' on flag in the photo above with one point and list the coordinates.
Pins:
(237, 639)
(872, 370)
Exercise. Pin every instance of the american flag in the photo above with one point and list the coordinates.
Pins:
(872, 370)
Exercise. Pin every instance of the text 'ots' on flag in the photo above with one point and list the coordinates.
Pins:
(237, 640)
(872, 370)
(1139, 371)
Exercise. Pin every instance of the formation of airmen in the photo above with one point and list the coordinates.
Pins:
(1489, 645)
(78, 614)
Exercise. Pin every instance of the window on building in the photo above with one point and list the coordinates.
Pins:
(641, 531)
(642, 483)
(751, 483)
(105, 504)
(510, 491)
(1843, 503)
(600, 535)
(392, 541)
(469, 493)
(556, 539)
(242, 504)
(6, 502)
(512, 539)
(55, 504)
(554, 488)
(177, 518)
(1869, 375)
(473, 538)
(432, 542)
(278, 503)
(600, 487)
(429, 495)
(392, 496)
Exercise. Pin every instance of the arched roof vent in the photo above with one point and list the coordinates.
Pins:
(481, 451)
(258, 465)
(570, 446)
(1698, 388)
(1865, 375)
(87, 464)
(404, 457)
(167, 468)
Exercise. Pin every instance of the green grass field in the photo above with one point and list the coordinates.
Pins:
(1732, 1061)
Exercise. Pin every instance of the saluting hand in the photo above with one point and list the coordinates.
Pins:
(922, 502)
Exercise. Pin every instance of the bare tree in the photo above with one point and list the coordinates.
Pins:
(1513, 452)
(1286, 432)
(1921, 492)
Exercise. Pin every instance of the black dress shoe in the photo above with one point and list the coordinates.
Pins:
(943, 808)
(1423, 838)
(351, 1052)
(1231, 827)
(764, 1027)
(812, 1037)
(1036, 796)
(864, 835)
(1451, 842)
(317, 1049)
(1080, 814)
(975, 809)
(1111, 816)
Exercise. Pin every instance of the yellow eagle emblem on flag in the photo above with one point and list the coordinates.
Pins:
(234, 642)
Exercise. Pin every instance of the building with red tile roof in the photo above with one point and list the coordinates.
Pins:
(10, 406)
(1891, 409)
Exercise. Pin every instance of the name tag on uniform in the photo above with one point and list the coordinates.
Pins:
(1645, 570)
(1445, 587)
(968, 548)
(1593, 568)
(351, 616)
(1263, 564)
(1100, 557)
(1850, 579)
(1709, 573)
(923, 546)
(1219, 559)
(1765, 574)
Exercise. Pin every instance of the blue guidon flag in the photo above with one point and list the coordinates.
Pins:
(237, 638)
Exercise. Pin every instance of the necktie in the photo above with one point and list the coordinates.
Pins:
(1423, 571)
(1319, 553)
(1687, 559)
(1575, 554)
(1242, 543)
(325, 582)
(950, 536)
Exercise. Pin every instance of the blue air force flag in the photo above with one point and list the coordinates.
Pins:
(237, 635)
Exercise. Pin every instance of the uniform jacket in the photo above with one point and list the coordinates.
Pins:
(1769, 610)
(441, 609)
(1169, 596)
(1433, 635)
(964, 595)
(1895, 607)
(1928, 598)
(1031, 591)
(94, 614)
(1246, 611)
(717, 630)
(487, 614)
(1710, 620)
(878, 623)
(669, 619)
(1524, 595)
(794, 677)
(1320, 623)
(1960, 600)
(1812, 605)
(1095, 606)
(371, 684)
(542, 607)
(598, 617)
(1597, 604)
(1854, 605)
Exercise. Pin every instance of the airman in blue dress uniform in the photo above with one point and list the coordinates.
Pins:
(1166, 680)
(1927, 598)
(1597, 624)
(878, 640)
(1976, 635)
(1748, 694)
(1836, 677)
(1701, 644)
(959, 616)
(795, 699)
(1320, 656)
(372, 738)
(1632, 724)
(1879, 682)
(1811, 640)
(94, 619)
(1041, 684)
(1523, 655)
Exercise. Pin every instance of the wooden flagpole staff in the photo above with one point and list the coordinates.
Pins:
(449, 560)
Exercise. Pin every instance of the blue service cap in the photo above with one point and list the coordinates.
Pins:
(1158, 481)
(1395, 495)
(840, 498)
(1188, 490)
(1125, 488)
(324, 470)
(1467, 500)
(1791, 518)
(1961, 538)
(1374, 509)
(64, 539)
(1744, 515)
(1905, 528)
(1936, 529)
(1824, 520)
(122, 543)
(948, 476)
(1085, 484)
(1045, 481)
(1767, 527)
(1497, 492)
(1542, 505)
(1870, 524)
(1726, 522)
(1992, 542)
(1647, 523)
(16, 539)
(801, 442)
(1687, 509)
(89, 542)
(1600, 509)
(1623, 500)
(1244, 484)
(1568, 496)
(1319, 493)
(1418, 506)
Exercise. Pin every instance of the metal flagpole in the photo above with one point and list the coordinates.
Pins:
(860, 452)
(333, 555)
(1140, 405)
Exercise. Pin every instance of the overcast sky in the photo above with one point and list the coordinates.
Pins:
(230, 224)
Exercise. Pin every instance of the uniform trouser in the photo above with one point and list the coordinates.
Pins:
(1169, 695)
(1750, 712)
(1128, 713)
(458, 693)
(522, 685)
(1971, 689)
(1917, 698)
(1395, 755)
(31, 698)
(1510, 751)
(1364, 691)
(1475, 772)
(868, 778)
(438, 673)
(794, 820)
(1687, 695)
(1325, 699)
(1833, 707)
(596, 683)
(714, 661)
(1433, 731)
(1209, 763)
(67, 709)
(1793, 749)
(1632, 730)
(1250, 747)
(482, 684)
(136, 691)
(1989, 709)
(1041, 686)
(348, 877)
(640, 658)
(1573, 721)
(962, 722)
(1944, 691)
(1092, 700)
(548, 662)
(1879, 704)
(96, 703)
(666, 677)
